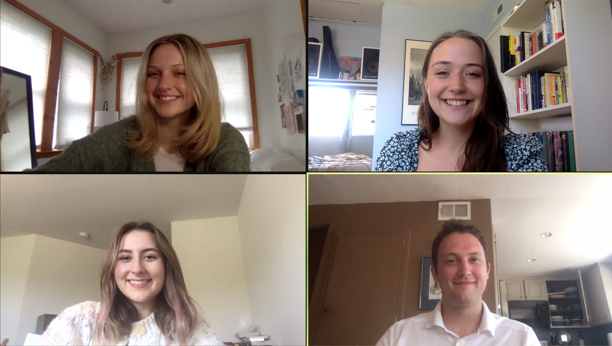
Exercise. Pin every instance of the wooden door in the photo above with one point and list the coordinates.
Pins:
(364, 290)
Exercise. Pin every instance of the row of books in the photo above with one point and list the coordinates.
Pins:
(515, 49)
(541, 89)
(557, 150)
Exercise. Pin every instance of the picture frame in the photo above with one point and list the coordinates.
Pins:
(430, 289)
(414, 59)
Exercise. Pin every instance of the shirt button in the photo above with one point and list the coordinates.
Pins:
(459, 343)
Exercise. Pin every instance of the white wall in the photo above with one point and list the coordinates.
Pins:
(272, 233)
(211, 259)
(399, 23)
(60, 274)
(15, 258)
(284, 29)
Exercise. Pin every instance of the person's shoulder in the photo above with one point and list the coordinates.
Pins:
(406, 136)
(227, 130)
(84, 309)
(414, 321)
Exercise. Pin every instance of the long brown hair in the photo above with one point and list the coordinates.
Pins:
(176, 313)
(484, 150)
(202, 130)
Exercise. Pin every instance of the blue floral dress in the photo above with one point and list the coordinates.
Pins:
(401, 153)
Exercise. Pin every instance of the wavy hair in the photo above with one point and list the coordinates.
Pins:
(202, 130)
(484, 150)
(176, 313)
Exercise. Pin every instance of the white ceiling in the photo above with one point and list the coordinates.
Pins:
(573, 207)
(116, 16)
(61, 206)
(371, 10)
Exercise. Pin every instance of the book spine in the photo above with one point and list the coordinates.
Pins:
(556, 6)
(572, 154)
(567, 83)
(521, 87)
(516, 95)
(563, 97)
(528, 93)
(527, 38)
(539, 136)
(534, 44)
(504, 53)
(565, 146)
(553, 91)
(548, 35)
(558, 152)
(553, 26)
(542, 100)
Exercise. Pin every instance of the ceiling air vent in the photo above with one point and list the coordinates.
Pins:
(454, 210)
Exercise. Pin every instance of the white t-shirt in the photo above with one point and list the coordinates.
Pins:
(165, 162)
(428, 329)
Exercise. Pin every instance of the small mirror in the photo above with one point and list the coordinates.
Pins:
(17, 141)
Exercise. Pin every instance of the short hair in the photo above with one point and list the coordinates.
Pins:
(176, 313)
(450, 227)
(484, 150)
(200, 135)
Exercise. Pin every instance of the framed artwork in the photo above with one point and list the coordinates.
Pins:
(413, 80)
(430, 289)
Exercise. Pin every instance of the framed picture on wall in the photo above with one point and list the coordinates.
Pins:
(413, 80)
(430, 289)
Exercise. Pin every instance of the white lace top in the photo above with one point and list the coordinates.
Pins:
(75, 326)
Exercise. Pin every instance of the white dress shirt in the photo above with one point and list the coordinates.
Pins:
(428, 329)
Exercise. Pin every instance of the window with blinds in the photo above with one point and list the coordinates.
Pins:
(232, 70)
(74, 97)
(129, 73)
(26, 45)
(233, 75)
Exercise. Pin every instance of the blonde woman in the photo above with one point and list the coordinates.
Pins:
(178, 122)
(143, 298)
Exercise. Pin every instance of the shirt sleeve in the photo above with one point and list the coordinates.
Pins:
(523, 154)
(204, 335)
(232, 153)
(72, 327)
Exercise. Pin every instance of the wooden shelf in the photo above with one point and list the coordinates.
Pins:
(546, 112)
(527, 15)
(547, 59)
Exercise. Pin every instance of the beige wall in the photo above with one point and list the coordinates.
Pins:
(422, 218)
(16, 255)
(211, 259)
(59, 274)
(272, 233)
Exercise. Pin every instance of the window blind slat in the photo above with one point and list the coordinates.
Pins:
(26, 45)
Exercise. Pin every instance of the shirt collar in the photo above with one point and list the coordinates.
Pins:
(488, 321)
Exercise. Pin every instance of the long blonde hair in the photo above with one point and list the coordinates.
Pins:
(176, 313)
(202, 130)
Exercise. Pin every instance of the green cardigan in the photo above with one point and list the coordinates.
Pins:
(105, 151)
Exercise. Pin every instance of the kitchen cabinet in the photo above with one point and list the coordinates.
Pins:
(535, 290)
(526, 290)
(514, 290)
(597, 282)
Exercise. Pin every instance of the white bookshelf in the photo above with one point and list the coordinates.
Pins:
(586, 51)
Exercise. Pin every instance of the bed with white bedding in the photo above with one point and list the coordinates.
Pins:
(347, 162)
(275, 160)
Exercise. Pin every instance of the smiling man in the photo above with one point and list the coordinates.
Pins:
(461, 318)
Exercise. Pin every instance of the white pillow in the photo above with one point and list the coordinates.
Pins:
(274, 159)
